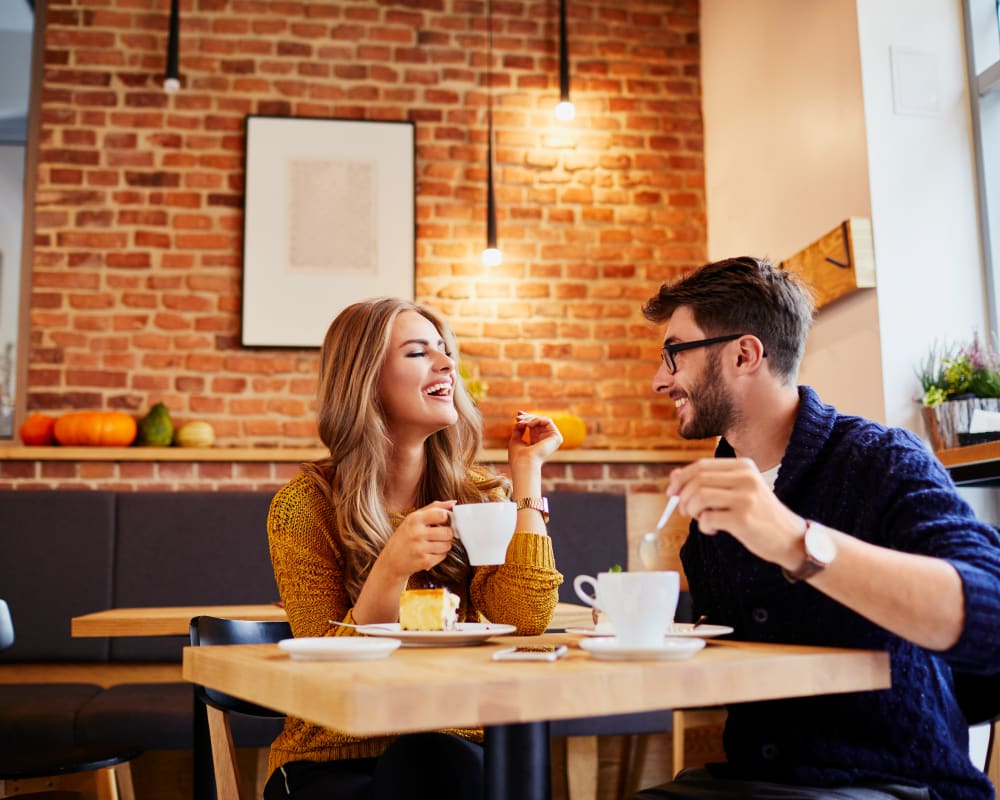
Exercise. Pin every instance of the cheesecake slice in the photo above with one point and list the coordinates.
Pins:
(428, 610)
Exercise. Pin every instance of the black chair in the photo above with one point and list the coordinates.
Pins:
(218, 706)
(979, 698)
(589, 535)
(42, 753)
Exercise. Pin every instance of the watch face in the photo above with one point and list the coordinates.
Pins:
(819, 544)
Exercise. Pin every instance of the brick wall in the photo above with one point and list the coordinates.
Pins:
(137, 262)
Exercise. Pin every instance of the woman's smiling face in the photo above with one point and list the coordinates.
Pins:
(417, 381)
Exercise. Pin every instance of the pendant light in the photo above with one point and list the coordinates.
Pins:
(172, 76)
(492, 256)
(565, 110)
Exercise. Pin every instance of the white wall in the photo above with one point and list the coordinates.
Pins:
(802, 132)
(786, 161)
(921, 174)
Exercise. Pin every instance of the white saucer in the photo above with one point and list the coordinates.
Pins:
(338, 648)
(609, 649)
(678, 629)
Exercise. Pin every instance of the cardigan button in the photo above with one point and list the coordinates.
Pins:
(769, 751)
(759, 615)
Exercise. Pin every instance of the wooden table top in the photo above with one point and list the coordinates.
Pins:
(417, 688)
(165, 620)
(174, 620)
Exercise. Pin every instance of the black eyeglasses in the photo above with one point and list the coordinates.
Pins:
(670, 350)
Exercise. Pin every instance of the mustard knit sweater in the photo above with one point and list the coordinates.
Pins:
(308, 560)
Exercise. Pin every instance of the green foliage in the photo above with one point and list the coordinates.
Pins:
(615, 568)
(970, 370)
(156, 429)
(474, 386)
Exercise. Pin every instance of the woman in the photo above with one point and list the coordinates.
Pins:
(353, 530)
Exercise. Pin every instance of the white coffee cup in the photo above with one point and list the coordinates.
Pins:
(485, 529)
(639, 605)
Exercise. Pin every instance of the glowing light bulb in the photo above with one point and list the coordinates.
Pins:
(171, 85)
(565, 111)
(492, 257)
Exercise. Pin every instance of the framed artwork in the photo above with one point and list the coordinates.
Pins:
(329, 219)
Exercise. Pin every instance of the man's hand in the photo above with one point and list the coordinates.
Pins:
(730, 494)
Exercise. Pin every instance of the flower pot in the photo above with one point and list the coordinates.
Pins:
(946, 421)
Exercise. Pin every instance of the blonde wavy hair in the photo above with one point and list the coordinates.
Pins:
(352, 425)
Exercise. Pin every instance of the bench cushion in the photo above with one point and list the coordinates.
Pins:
(41, 715)
(56, 564)
(160, 716)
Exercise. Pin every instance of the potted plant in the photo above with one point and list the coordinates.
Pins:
(955, 381)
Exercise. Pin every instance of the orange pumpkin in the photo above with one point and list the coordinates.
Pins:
(572, 428)
(95, 428)
(37, 430)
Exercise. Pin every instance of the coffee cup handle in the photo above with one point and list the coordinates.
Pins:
(579, 582)
(453, 525)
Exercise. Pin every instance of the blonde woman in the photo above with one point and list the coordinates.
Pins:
(353, 530)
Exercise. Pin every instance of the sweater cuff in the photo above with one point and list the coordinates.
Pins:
(534, 549)
(972, 652)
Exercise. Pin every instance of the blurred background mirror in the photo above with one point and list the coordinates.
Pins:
(16, 29)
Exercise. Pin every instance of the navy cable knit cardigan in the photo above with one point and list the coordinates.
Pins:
(883, 486)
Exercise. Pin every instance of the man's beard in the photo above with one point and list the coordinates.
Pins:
(710, 402)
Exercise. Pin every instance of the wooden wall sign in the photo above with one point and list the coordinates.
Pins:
(838, 263)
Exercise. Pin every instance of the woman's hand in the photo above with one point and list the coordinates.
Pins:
(421, 542)
(533, 438)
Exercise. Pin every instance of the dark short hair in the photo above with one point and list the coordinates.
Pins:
(744, 295)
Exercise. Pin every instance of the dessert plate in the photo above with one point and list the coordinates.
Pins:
(608, 648)
(678, 629)
(338, 648)
(462, 634)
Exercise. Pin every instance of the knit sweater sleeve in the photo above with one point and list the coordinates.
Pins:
(308, 566)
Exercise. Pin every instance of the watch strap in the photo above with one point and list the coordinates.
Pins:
(539, 504)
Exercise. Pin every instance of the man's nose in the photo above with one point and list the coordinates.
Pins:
(662, 380)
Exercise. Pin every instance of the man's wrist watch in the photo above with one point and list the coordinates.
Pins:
(820, 550)
(540, 504)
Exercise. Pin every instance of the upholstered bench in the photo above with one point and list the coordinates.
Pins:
(72, 552)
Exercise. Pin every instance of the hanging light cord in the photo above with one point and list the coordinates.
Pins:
(172, 76)
(491, 255)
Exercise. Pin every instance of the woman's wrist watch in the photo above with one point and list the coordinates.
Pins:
(820, 550)
(539, 504)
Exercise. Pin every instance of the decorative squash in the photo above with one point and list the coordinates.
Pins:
(37, 430)
(194, 434)
(572, 428)
(95, 428)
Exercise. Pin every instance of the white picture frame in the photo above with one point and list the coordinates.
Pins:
(329, 219)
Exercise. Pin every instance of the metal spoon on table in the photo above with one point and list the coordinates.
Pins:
(649, 547)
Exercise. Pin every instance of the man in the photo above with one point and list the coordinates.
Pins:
(817, 528)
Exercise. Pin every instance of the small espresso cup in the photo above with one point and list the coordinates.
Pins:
(485, 530)
(639, 605)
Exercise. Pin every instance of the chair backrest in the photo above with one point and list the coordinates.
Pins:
(207, 630)
(978, 696)
(6, 626)
(588, 535)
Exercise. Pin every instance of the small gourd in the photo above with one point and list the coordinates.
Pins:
(195, 434)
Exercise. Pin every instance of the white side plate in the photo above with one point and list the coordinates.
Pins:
(338, 648)
(608, 648)
(463, 633)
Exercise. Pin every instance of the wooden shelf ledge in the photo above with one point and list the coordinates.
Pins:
(299, 454)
